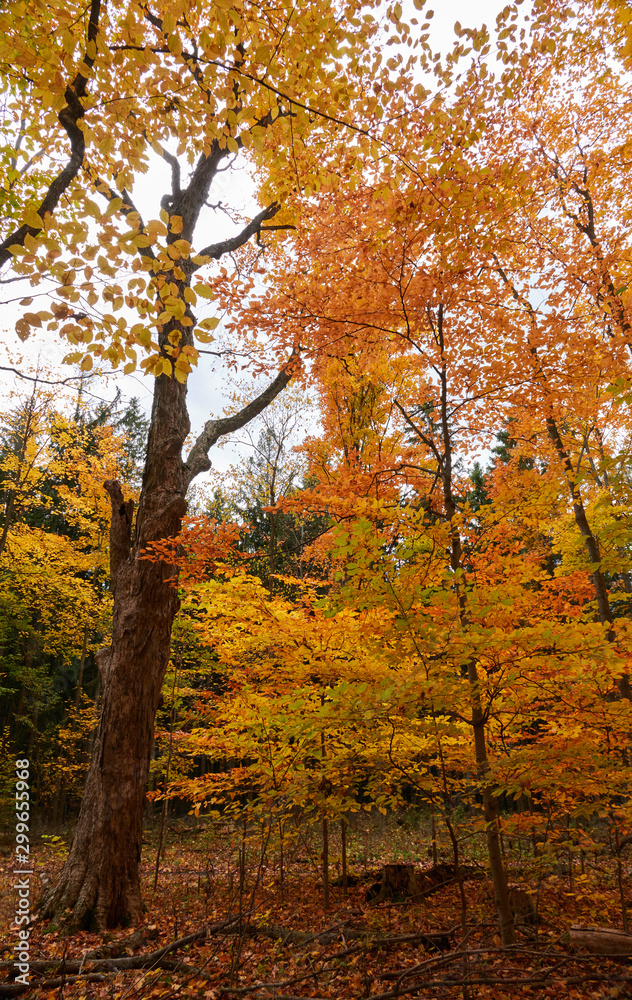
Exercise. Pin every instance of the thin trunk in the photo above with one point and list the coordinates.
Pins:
(281, 861)
(271, 543)
(491, 814)
(323, 754)
(163, 811)
(82, 663)
(433, 833)
(242, 863)
(325, 863)
(592, 546)
(627, 580)
(624, 907)
(459, 875)
(343, 840)
(10, 504)
(490, 801)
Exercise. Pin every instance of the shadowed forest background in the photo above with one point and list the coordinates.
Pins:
(351, 718)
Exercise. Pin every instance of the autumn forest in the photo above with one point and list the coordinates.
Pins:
(349, 717)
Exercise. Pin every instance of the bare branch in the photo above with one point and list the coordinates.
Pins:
(217, 250)
(45, 381)
(423, 437)
(174, 163)
(198, 460)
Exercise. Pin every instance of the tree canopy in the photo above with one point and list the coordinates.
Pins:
(427, 598)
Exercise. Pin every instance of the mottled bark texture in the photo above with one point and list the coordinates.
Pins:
(100, 880)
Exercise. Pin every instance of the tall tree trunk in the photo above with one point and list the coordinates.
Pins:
(100, 879)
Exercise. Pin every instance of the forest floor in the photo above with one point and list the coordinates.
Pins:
(217, 928)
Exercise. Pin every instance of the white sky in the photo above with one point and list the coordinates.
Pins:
(207, 394)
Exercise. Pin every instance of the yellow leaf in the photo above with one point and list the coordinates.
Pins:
(32, 219)
(92, 208)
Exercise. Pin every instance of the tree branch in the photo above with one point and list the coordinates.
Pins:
(127, 208)
(198, 460)
(423, 437)
(217, 250)
(68, 118)
(174, 163)
(45, 381)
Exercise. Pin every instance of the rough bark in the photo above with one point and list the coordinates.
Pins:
(100, 879)
(601, 940)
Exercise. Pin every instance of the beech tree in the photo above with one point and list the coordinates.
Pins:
(438, 271)
(98, 90)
